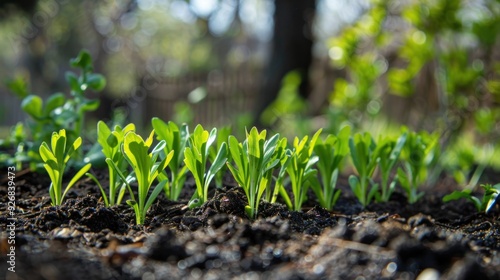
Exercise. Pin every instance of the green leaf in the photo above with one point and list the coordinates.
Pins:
(83, 61)
(90, 105)
(149, 141)
(159, 147)
(53, 102)
(403, 178)
(32, 105)
(253, 142)
(211, 139)
(136, 152)
(46, 153)
(249, 211)
(354, 183)
(52, 164)
(96, 82)
(72, 148)
(270, 148)
(235, 150)
(112, 141)
(218, 163)
(72, 80)
(59, 147)
(18, 86)
(457, 195)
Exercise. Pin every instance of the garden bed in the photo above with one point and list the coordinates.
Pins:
(82, 239)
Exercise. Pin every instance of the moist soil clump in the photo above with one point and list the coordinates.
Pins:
(82, 239)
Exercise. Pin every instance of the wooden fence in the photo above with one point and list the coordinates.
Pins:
(215, 98)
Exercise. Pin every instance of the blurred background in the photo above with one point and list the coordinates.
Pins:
(374, 65)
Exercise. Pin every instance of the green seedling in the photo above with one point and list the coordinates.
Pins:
(251, 164)
(222, 136)
(484, 204)
(365, 157)
(196, 157)
(146, 168)
(417, 156)
(331, 153)
(55, 160)
(389, 152)
(176, 139)
(282, 154)
(111, 142)
(18, 140)
(301, 171)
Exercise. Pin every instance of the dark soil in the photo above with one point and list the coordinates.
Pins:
(84, 240)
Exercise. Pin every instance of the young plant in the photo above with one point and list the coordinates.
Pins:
(18, 140)
(253, 161)
(282, 154)
(389, 152)
(79, 85)
(301, 171)
(282, 179)
(365, 157)
(176, 140)
(417, 156)
(57, 111)
(55, 160)
(222, 136)
(111, 142)
(485, 204)
(196, 157)
(330, 154)
(146, 168)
